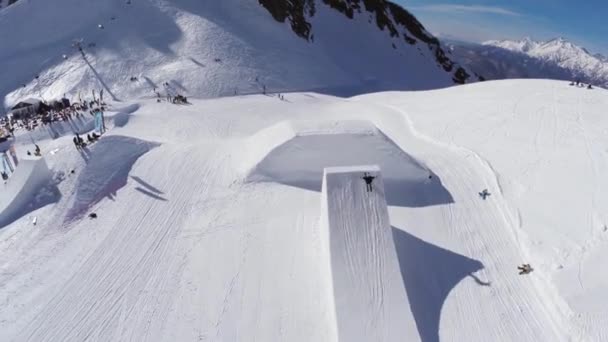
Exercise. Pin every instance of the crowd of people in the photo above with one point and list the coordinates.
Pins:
(57, 111)
(580, 84)
(172, 96)
(80, 143)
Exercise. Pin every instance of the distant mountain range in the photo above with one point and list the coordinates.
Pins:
(555, 59)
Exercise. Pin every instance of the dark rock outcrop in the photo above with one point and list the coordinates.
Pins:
(294, 10)
(389, 17)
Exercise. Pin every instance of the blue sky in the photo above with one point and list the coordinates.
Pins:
(581, 21)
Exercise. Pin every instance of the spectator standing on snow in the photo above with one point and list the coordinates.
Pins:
(76, 143)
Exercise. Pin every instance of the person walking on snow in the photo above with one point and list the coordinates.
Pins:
(368, 181)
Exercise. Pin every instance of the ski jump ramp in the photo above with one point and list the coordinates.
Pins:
(19, 192)
(370, 299)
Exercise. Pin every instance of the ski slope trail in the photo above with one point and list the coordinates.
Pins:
(487, 233)
(127, 260)
(543, 151)
(370, 299)
(191, 245)
(460, 228)
(169, 255)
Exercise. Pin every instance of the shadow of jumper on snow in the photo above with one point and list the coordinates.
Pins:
(151, 194)
(429, 273)
(147, 185)
(148, 190)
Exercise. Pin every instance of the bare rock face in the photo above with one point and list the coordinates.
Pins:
(6, 3)
(388, 17)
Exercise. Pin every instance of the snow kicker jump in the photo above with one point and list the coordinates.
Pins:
(370, 299)
(21, 192)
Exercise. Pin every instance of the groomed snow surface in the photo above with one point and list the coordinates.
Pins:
(217, 222)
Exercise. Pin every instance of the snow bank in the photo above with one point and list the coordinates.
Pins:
(369, 294)
(21, 193)
(296, 152)
(109, 162)
(122, 115)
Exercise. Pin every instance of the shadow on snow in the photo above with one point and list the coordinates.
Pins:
(429, 273)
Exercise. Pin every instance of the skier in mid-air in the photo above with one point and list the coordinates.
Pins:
(524, 269)
(368, 181)
(484, 194)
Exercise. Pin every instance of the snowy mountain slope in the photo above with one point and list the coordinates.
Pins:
(496, 63)
(211, 48)
(189, 247)
(544, 148)
(554, 59)
(6, 3)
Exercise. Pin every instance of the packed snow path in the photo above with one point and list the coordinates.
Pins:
(192, 248)
(370, 299)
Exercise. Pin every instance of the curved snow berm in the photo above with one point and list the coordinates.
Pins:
(296, 152)
(109, 162)
(22, 191)
(369, 295)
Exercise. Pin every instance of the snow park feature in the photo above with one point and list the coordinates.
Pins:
(109, 162)
(368, 291)
(298, 151)
(27, 188)
(275, 207)
(205, 231)
(26, 184)
(312, 146)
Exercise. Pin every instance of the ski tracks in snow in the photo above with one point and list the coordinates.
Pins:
(492, 233)
(123, 287)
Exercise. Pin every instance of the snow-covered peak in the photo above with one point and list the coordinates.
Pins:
(524, 45)
(563, 53)
(555, 49)
(601, 57)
